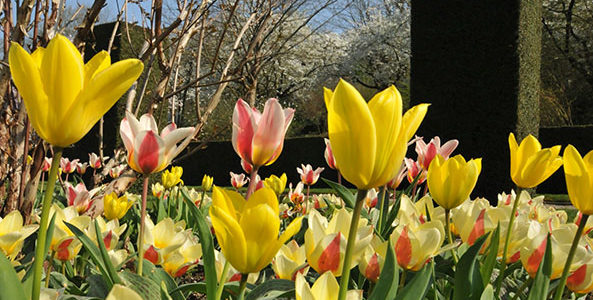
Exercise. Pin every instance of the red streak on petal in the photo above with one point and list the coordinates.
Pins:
(181, 271)
(515, 257)
(148, 154)
(403, 249)
(577, 277)
(478, 229)
(373, 269)
(62, 252)
(235, 277)
(107, 239)
(151, 255)
(536, 257)
(329, 260)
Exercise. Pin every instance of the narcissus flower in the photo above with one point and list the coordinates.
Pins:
(451, 181)
(579, 179)
(149, 152)
(369, 141)
(258, 138)
(65, 97)
(325, 288)
(530, 164)
(172, 178)
(278, 184)
(289, 261)
(207, 182)
(13, 233)
(308, 175)
(115, 207)
(325, 242)
(247, 231)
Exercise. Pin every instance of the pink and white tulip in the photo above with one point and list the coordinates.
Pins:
(95, 161)
(258, 138)
(81, 168)
(149, 152)
(414, 170)
(46, 164)
(79, 197)
(238, 180)
(329, 156)
(117, 171)
(427, 152)
(68, 166)
(308, 175)
(397, 180)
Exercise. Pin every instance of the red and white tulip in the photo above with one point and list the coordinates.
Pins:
(308, 175)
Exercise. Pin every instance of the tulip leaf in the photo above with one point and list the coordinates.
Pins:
(418, 286)
(10, 285)
(203, 230)
(468, 279)
(343, 192)
(106, 261)
(197, 287)
(270, 288)
(387, 284)
(490, 261)
(541, 283)
(94, 252)
(144, 286)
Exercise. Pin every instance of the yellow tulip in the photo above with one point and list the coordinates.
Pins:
(207, 182)
(325, 288)
(278, 184)
(63, 96)
(13, 233)
(415, 243)
(451, 181)
(579, 179)
(61, 232)
(369, 141)
(290, 260)
(172, 178)
(115, 208)
(232, 274)
(530, 164)
(247, 231)
(185, 257)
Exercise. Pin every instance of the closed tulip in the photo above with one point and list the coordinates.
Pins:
(207, 182)
(329, 155)
(248, 231)
(579, 179)
(258, 138)
(115, 208)
(13, 233)
(372, 260)
(149, 152)
(369, 140)
(451, 181)
(65, 97)
(278, 184)
(289, 261)
(530, 164)
(325, 288)
(172, 178)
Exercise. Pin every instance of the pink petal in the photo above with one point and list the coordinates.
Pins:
(448, 148)
(243, 130)
(269, 135)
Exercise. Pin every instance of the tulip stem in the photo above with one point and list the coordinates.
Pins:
(381, 209)
(225, 271)
(252, 182)
(42, 232)
(307, 199)
(448, 232)
(242, 286)
(202, 199)
(141, 233)
(49, 268)
(573, 250)
(402, 279)
(360, 196)
(507, 239)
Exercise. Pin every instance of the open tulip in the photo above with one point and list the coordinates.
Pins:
(258, 138)
(451, 181)
(247, 231)
(64, 242)
(172, 178)
(325, 288)
(79, 197)
(238, 180)
(162, 239)
(13, 233)
(81, 168)
(372, 260)
(115, 207)
(68, 166)
(149, 152)
(530, 164)
(56, 85)
(415, 243)
(110, 232)
(369, 141)
(185, 257)
(289, 261)
(95, 161)
(308, 175)
(581, 280)
(427, 152)
(278, 184)
(579, 179)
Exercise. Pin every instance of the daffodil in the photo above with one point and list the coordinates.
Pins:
(172, 178)
(65, 97)
(530, 164)
(247, 231)
(369, 140)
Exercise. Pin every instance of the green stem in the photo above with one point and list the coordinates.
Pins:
(449, 236)
(42, 236)
(141, 233)
(49, 268)
(225, 271)
(242, 286)
(507, 239)
(350, 246)
(402, 279)
(202, 200)
(573, 250)
(381, 209)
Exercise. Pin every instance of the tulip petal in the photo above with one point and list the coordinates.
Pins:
(230, 237)
(578, 179)
(244, 127)
(325, 287)
(260, 226)
(269, 134)
(149, 157)
(98, 63)
(351, 132)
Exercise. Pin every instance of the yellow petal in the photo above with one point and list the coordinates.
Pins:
(351, 132)
(513, 149)
(325, 287)
(230, 237)
(578, 180)
(327, 96)
(98, 63)
(37, 56)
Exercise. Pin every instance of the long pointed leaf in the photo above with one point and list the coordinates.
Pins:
(10, 285)
(468, 279)
(343, 192)
(418, 286)
(387, 284)
(106, 261)
(93, 250)
(490, 261)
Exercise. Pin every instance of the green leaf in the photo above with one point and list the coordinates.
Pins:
(10, 285)
(269, 288)
(94, 252)
(541, 283)
(490, 261)
(97, 286)
(468, 279)
(50, 234)
(106, 261)
(418, 286)
(203, 230)
(145, 287)
(387, 284)
(343, 192)
(197, 287)
(164, 293)
(488, 293)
